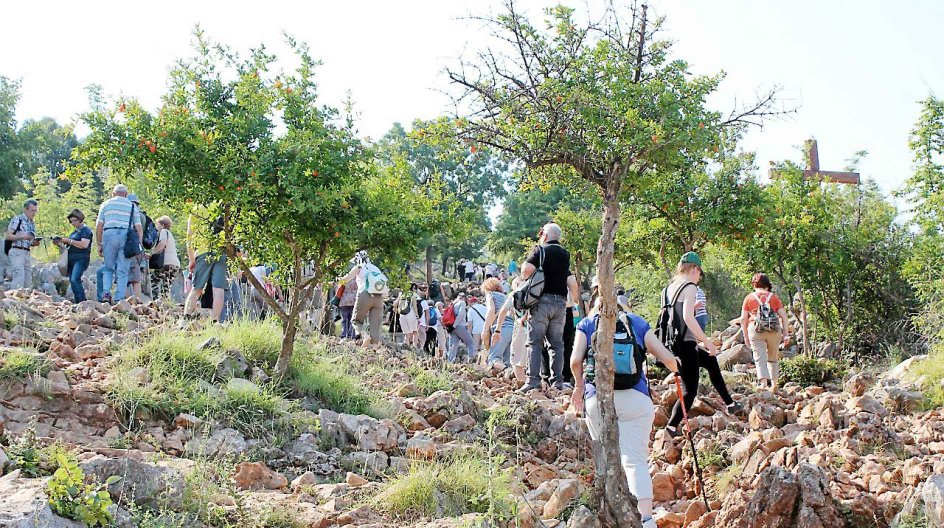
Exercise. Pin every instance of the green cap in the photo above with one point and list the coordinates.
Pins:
(691, 258)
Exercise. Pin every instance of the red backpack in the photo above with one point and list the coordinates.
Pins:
(449, 316)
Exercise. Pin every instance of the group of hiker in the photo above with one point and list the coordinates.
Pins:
(528, 326)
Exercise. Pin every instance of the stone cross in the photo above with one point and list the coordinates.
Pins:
(812, 168)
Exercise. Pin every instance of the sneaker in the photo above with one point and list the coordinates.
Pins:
(735, 408)
(106, 298)
(673, 431)
(528, 388)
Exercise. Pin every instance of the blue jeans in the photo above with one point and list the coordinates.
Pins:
(702, 321)
(76, 270)
(347, 329)
(116, 263)
(501, 351)
(547, 322)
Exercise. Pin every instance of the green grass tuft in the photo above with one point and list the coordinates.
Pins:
(328, 378)
(259, 341)
(449, 488)
(19, 364)
(430, 381)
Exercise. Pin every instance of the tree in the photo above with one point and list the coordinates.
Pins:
(251, 148)
(470, 179)
(525, 211)
(47, 145)
(601, 101)
(9, 147)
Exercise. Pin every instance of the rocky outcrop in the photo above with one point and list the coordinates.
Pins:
(24, 504)
(783, 499)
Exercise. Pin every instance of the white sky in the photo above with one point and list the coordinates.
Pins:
(855, 68)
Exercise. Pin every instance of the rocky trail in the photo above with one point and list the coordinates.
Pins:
(857, 453)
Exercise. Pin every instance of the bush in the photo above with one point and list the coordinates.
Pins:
(808, 371)
(19, 364)
(449, 488)
(71, 497)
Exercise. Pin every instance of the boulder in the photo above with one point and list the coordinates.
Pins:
(223, 442)
(583, 518)
(256, 476)
(421, 446)
(305, 451)
(567, 490)
(738, 354)
(866, 404)
(154, 486)
(932, 493)
(24, 504)
(663, 487)
(858, 383)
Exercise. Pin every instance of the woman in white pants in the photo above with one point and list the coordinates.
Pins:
(634, 409)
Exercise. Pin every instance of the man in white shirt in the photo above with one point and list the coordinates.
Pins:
(476, 317)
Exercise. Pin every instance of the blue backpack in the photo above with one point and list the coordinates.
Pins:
(628, 356)
(433, 318)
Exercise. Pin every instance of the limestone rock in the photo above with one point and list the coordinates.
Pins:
(256, 475)
(583, 518)
(24, 504)
(567, 490)
(145, 484)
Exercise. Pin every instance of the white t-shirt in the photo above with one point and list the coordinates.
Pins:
(491, 269)
(424, 310)
(259, 272)
(476, 314)
(469, 267)
(170, 250)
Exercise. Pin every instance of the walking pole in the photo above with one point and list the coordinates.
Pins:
(691, 443)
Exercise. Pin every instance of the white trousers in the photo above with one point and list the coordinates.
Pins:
(21, 267)
(634, 414)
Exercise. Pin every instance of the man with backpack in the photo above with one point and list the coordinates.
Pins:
(117, 216)
(371, 289)
(476, 324)
(19, 240)
(547, 315)
(635, 411)
(456, 321)
(405, 307)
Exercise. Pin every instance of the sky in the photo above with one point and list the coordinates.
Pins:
(853, 69)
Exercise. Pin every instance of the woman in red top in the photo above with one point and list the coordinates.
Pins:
(764, 324)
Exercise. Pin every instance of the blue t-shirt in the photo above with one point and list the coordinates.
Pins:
(588, 325)
(82, 233)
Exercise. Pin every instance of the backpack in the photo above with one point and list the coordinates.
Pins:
(404, 308)
(375, 282)
(151, 235)
(528, 294)
(449, 316)
(766, 320)
(433, 317)
(8, 244)
(628, 355)
(670, 327)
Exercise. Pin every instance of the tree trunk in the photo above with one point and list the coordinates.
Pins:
(429, 264)
(619, 505)
(288, 339)
(577, 274)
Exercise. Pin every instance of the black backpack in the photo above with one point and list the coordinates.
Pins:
(8, 244)
(151, 235)
(670, 327)
(628, 356)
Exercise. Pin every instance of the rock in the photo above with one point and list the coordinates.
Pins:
(241, 385)
(408, 390)
(421, 446)
(901, 370)
(583, 518)
(305, 480)
(663, 487)
(378, 435)
(24, 504)
(210, 344)
(156, 486)
(695, 511)
(858, 383)
(223, 442)
(933, 496)
(234, 364)
(867, 404)
(354, 480)
(738, 354)
(373, 464)
(91, 350)
(256, 476)
(783, 499)
(305, 451)
(903, 400)
(667, 519)
(567, 490)
(187, 421)
(457, 425)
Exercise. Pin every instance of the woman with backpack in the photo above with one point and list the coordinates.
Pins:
(679, 330)
(764, 324)
(706, 360)
(164, 261)
(406, 311)
(635, 411)
(369, 305)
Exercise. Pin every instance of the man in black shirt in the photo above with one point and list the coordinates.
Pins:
(547, 317)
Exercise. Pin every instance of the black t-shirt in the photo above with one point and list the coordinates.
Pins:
(556, 267)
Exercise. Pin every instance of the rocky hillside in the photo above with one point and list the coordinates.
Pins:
(117, 416)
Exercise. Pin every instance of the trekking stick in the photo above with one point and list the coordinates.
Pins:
(691, 443)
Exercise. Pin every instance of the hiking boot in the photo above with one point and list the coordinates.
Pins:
(528, 388)
(734, 408)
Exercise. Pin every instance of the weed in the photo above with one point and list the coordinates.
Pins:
(429, 381)
(259, 341)
(19, 364)
(327, 378)
(716, 456)
(71, 497)
(33, 458)
(726, 480)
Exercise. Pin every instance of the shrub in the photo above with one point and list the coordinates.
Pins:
(449, 488)
(71, 497)
(19, 364)
(808, 371)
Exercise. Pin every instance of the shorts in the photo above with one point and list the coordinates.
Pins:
(135, 274)
(209, 269)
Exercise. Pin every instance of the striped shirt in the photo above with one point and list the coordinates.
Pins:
(700, 298)
(116, 212)
(22, 224)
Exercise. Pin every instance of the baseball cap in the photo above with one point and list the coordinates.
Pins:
(691, 258)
